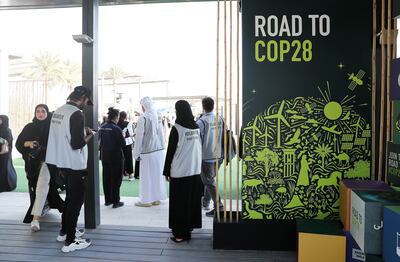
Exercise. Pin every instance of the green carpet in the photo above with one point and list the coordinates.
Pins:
(128, 188)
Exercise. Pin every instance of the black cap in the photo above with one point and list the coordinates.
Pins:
(80, 91)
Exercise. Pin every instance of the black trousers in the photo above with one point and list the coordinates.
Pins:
(112, 179)
(137, 170)
(74, 197)
(128, 163)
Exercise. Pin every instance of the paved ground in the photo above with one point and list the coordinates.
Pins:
(129, 233)
(16, 205)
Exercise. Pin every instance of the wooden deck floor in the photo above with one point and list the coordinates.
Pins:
(120, 243)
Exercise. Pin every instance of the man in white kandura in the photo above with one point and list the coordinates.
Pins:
(149, 150)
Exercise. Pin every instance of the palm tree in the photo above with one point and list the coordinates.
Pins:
(48, 68)
(114, 73)
(72, 74)
(323, 151)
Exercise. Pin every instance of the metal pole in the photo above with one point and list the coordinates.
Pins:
(90, 9)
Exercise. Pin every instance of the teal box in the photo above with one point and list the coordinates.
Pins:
(372, 258)
(391, 233)
(366, 221)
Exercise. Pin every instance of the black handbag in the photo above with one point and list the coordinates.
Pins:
(230, 148)
(36, 152)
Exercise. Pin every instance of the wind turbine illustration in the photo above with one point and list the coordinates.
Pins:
(266, 135)
(254, 129)
(357, 125)
(279, 117)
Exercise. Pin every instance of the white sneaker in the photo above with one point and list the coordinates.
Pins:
(35, 226)
(156, 203)
(78, 244)
(140, 204)
(78, 234)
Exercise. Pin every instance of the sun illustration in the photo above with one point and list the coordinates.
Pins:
(333, 110)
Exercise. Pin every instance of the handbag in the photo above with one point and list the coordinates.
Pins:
(230, 154)
(37, 152)
(4, 146)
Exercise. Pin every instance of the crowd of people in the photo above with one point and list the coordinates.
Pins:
(54, 148)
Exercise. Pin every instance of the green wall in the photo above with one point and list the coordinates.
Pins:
(306, 104)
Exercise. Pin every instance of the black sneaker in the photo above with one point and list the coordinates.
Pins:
(117, 205)
(107, 204)
(210, 213)
(206, 207)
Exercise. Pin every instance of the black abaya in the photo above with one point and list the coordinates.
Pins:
(184, 205)
(8, 176)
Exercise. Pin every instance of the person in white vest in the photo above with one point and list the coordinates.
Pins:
(67, 149)
(149, 150)
(207, 125)
(182, 169)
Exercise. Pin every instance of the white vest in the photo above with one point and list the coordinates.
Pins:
(209, 140)
(153, 140)
(187, 157)
(59, 149)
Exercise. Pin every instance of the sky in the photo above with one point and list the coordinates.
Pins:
(175, 42)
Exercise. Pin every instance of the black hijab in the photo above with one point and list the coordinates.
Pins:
(184, 116)
(41, 127)
(5, 122)
(37, 130)
(5, 131)
(35, 120)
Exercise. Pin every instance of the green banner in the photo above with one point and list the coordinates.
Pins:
(393, 163)
(306, 104)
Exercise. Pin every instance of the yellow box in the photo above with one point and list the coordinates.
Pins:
(321, 248)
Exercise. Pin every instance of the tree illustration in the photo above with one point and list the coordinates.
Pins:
(264, 200)
(48, 68)
(323, 151)
(269, 158)
(114, 73)
(361, 170)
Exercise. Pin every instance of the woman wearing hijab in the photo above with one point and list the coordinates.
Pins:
(32, 143)
(127, 132)
(8, 176)
(149, 150)
(182, 169)
(112, 157)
